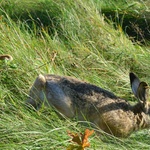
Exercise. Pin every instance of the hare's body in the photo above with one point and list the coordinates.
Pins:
(73, 98)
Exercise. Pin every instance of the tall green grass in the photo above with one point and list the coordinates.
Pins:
(67, 38)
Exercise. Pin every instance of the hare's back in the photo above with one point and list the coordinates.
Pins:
(76, 88)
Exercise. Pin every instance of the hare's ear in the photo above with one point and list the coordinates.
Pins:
(134, 82)
(142, 92)
(140, 89)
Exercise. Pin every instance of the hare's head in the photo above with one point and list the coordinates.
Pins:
(140, 90)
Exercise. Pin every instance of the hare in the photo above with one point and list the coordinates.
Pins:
(72, 97)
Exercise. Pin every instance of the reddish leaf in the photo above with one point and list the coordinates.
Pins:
(80, 139)
(85, 142)
(75, 138)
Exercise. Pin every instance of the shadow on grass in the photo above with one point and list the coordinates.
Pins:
(48, 15)
(136, 26)
(37, 16)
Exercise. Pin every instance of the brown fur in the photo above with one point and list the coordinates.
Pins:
(72, 97)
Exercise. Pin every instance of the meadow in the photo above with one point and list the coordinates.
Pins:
(77, 38)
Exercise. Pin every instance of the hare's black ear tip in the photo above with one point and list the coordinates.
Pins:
(132, 76)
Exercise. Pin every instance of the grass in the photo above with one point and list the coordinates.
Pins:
(67, 38)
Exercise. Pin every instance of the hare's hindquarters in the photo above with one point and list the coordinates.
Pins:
(36, 95)
(48, 91)
(59, 97)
